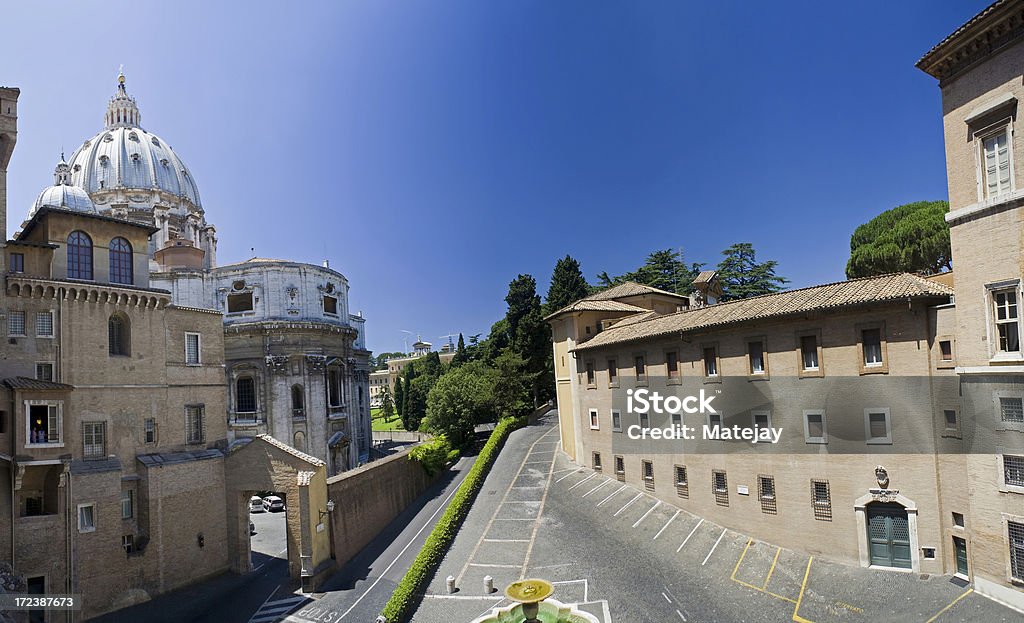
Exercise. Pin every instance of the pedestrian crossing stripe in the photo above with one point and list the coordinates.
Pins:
(274, 611)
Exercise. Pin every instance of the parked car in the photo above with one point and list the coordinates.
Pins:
(256, 504)
(272, 503)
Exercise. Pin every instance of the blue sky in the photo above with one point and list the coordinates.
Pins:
(433, 151)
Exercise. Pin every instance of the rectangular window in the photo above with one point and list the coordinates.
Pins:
(815, 430)
(86, 518)
(682, 485)
(596, 462)
(44, 423)
(958, 520)
(192, 349)
(1011, 409)
(331, 305)
(871, 343)
(94, 439)
(950, 420)
(595, 423)
(616, 420)
(240, 302)
(149, 430)
(710, 361)
(809, 353)
(996, 153)
(1007, 323)
(672, 364)
(766, 494)
(44, 324)
(16, 323)
(640, 367)
(821, 500)
(720, 487)
(946, 350)
(1013, 470)
(591, 379)
(613, 373)
(714, 419)
(194, 431)
(334, 387)
(648, 472)
(762, 419)
(755, 352)
(127, 504)
(620, 468)
(1016, 534)
(128, 543)
(677, 419)
(44, 371)
(17, 262)
(877, 426)
(645, 420)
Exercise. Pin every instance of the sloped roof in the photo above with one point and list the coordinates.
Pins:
(592, 305)
(989, 10)
(705, 276)
(312, 460)
(606, 300)
(894, 287)
(24, 382)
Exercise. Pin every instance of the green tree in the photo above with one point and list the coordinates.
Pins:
(459, 400)
(567, 285)
(742, 276)
(400, 399)
(664, 269)
(387, 404)
(530, 335)
(380, 361)
(512, 385)
(461, 355)
(909, 238)
(416, 401)
(409, 416)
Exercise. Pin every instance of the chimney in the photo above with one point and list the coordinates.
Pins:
(8, 136)
(707, 289)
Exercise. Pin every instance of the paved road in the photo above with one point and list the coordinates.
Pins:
(627, 556)
(360, 590)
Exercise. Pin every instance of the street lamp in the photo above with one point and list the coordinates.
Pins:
(330, 509)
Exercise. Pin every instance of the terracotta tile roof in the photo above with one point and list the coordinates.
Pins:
(629, 288)
(995, 6)
(705, 276)
(312, 460)
(593, 305)
(24, 382)
(894, 287)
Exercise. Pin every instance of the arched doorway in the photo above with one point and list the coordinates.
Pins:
(889, 536)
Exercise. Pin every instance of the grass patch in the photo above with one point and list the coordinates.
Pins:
(409, 590)
(379, 424)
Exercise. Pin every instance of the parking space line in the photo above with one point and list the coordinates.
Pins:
(536, 523)
(537, 462)
(666, 524)
(521, 502)
(528, 487)
(950, 605)
(627, 504)
(513, 519)
(567, 469)
(601, 503)
(772, 570)
(800, 599)
(689, 535)
(656, 505)
(485, 564)
(748, 585)
(506, 540)
(597, 487)
(720, 537)
(582, 481)
(567, 475)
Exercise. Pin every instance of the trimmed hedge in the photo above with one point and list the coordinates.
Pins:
(406, 595)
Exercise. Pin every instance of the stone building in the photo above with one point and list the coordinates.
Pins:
(898, 398)
(396, 365)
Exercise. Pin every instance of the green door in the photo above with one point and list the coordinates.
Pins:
(960, 546)
(889, 536)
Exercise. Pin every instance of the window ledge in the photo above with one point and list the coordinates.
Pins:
(31, 446)
(1006, 359)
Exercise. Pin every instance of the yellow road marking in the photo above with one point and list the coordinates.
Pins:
(761, 590)
(950, 605)
(800, 599)
(756, 588)
(737, 567)
(772, 570)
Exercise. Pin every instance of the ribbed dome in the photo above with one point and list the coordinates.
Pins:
(124, 156)
(62, 194)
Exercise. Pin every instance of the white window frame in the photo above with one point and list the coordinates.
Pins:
(24, 321)
(887, 440)
(817, 354)
(998, 409)
(199, 348)
(128, 495)
(616, 417)
(40, 314)
(980, 136)
(595, 420)
(102, 443)
(864, 349)
(59, 406)
(201, 414)
(144, 422)
(92, 511)
(750, 359)
(807, 428)
(1001, 453)
(992, 330)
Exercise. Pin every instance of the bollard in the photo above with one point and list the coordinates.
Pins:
(488, 585)
(450, 582)
(381, 619)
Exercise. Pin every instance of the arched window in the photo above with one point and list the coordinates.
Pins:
(298, 398)
(119, 335)
(245, 395)
(79, 255)
(120, 261)
(300, 441)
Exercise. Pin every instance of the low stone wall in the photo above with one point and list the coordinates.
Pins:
(368, 498)
(399, 436)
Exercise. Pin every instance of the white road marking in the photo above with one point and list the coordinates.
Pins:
(689, 535)
(720, 536)
(484, 564)
(567, 475)
(626, 505)
(567, 469)
(514, 518)
(666, 598)
(506, 540)
(681, 615)
(666, 524)
(582, 481)
(596, 488)
(656, 505)
(601, 503)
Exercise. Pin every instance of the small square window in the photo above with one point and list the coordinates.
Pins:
(616, 420)
(815, 429)
(595, 422)
(331, 305)
(1011, 409)
(958, 520)
(596, 462)
(950, 419)
(44, 371)
(762, 419)
(714, 419)
(44, 324)
(878, 426)
(946, 350)
(86, 518)
(16, 323)
(1013, 470)
(677, 419)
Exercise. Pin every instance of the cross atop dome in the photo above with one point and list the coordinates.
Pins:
(122, 111)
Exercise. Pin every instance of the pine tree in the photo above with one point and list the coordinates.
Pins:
(399, 399)
(908, 238)
(530, 335)
(567, 285)
(742, 276)
(461, 355)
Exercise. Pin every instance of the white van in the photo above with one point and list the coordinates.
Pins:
(255, 504)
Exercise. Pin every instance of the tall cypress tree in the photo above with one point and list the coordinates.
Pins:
(399, 399)
(567, 285)
(461, 356)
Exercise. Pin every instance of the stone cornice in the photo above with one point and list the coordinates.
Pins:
(34, 287)
(986, 34)
(277, 326)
